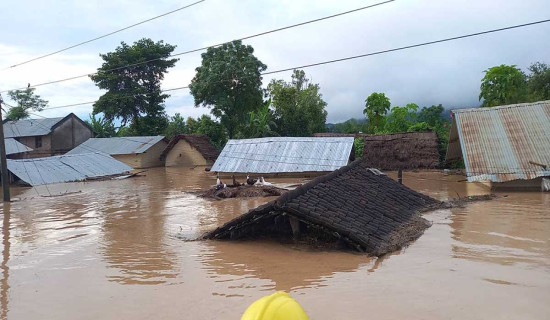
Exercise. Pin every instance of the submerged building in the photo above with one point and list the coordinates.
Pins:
(189, 150)
(49, 136)
(406, 151)
(356, 204)
(285, 155)
(65, 168)
(137, 152)
(506, 146)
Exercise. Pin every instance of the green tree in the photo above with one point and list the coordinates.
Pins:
(299, 108)
(101, 126)
(213, 129)
(25, 100)
(503, 85)
(229, 83)
(260, 123)
(175, 126)
(538, 82)
(351, 126)
(133, 91)
(402, 118)
(376, 107)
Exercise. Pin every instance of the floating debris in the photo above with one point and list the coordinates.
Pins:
(245, 191)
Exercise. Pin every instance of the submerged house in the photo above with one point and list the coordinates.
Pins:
(285, 155)
(65, 168)
(49, 136)
(406, 151)
(355, 204)
(190, 150)
(137, 152)
(506, 146)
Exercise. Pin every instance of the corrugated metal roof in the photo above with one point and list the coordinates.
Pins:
(117, 145)
(284, 154)
(13, 146)
(66, 168)
(29, 127)
(502, 143)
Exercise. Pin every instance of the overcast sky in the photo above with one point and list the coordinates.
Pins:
(447, 73)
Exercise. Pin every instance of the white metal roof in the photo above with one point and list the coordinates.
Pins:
(66, 168)
(29, 127)
(13, 146)
(117, 145)
(284, 154)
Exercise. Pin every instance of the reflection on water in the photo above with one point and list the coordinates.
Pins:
(113, 250)
(285, 268)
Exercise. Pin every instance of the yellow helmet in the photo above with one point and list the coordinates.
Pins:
(278, 306)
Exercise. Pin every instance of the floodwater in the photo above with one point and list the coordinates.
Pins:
(113, 250)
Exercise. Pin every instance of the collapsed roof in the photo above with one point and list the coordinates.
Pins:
(356, 204)
(66, 168)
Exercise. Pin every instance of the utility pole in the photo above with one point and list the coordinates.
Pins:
(4, 163)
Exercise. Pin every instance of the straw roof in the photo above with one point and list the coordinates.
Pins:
(410, 150)
(359, 205)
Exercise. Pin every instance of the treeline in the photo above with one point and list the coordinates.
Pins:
(228, 82)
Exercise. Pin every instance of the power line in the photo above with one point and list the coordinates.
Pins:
(344, 59)
(103, 36)
(208, 47)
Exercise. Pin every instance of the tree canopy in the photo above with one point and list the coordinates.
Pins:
(503, 85)
(101, 127)
(376, 107)
(133, 87)
(25, 100)
(538, 82)
(299, 108)
(229, 82)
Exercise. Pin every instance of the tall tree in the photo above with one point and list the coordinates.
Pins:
(213, 129)
(299, 108)
(538, 82)
(229, 81)
(133, 90)
(503, 85)
(376, 107)
(25, 100)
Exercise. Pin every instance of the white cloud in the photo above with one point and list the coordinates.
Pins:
(447, 73)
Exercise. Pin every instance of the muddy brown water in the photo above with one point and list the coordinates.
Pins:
(113, 250)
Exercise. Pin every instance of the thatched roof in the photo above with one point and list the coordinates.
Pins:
(410, 150)
(361, 206)
(197, 141)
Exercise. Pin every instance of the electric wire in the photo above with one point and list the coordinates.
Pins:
(341, 59)
(207, 47)
(103, 36)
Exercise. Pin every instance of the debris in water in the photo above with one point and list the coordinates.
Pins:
(244, 191)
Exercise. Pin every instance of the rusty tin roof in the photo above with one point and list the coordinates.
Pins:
(502, 143)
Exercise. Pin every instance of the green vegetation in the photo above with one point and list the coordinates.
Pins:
(505, 84)
(133, 92)
(376, 107)
(298, 106)
(25, 100)
(101, 127)
(229, 82)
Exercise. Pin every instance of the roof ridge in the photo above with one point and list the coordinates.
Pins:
(507, 106)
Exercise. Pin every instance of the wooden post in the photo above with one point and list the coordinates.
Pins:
(400, 176)
(4, 164)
